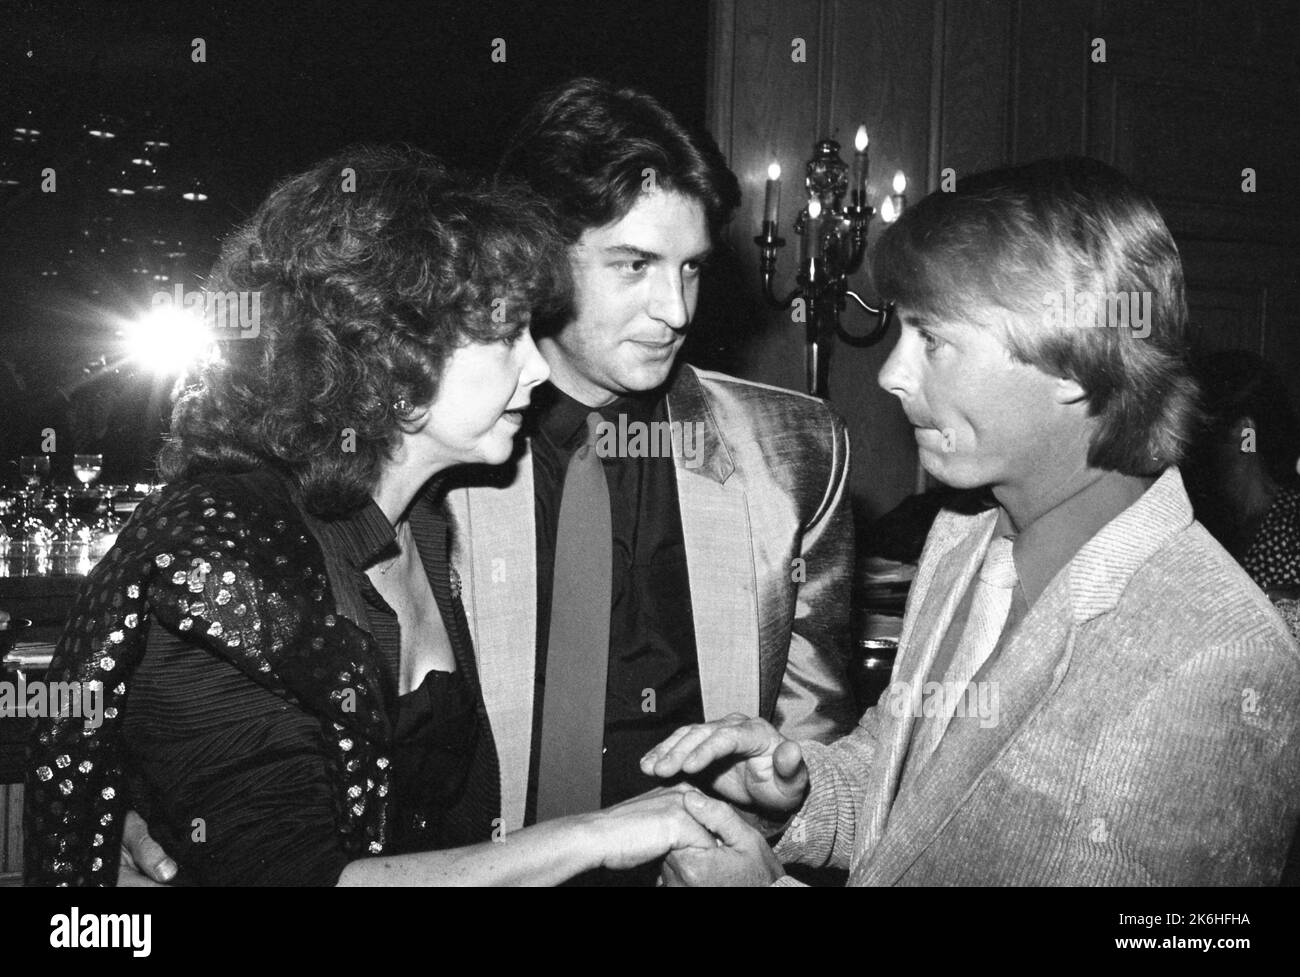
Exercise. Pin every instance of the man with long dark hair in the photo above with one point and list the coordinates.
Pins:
(717, 579)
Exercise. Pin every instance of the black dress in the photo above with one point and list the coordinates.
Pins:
(212, 757)
(433, 745)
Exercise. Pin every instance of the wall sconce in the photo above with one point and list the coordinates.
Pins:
(833, 241)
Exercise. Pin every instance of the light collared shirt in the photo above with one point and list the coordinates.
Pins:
(1043, 548)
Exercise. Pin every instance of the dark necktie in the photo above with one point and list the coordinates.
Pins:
(577, 656)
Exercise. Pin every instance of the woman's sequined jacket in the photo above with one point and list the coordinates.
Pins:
(228, 561)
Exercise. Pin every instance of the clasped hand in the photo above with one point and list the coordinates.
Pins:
(746, 761)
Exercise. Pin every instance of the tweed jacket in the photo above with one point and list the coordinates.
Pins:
(769, 550)
(1149, 728)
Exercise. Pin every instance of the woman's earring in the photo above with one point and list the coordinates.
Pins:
(403, 406)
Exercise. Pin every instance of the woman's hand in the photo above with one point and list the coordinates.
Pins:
(142, 862)
(645, 828)
(742, 856)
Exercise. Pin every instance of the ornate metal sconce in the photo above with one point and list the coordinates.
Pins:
(833, 241)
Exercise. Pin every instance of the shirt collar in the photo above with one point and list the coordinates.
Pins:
(1048, 543)
(363, 536)
(563, 419)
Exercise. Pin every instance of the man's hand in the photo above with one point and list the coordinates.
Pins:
(755, 765)
(742, 858)
(646, 827)
(143, 862)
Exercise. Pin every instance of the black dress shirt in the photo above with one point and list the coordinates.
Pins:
(653, 683)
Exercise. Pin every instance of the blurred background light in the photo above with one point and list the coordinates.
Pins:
(169, 341)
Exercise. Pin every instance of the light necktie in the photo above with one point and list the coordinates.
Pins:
(577, 655)
(988, 615)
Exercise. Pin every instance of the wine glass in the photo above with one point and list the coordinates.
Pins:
(87, 468)
(106, 524)
(34, 470)
(30, 535)
(87, 534)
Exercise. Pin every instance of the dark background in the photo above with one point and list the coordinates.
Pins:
(1189, 95)
(284, 84)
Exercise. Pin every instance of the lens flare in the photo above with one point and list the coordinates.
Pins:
(169, 341)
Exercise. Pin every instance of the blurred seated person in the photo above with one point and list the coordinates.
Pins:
(1242, 473)
(1244, 483)
(289, 685)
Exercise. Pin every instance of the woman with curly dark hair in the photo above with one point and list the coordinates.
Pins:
(289, 686)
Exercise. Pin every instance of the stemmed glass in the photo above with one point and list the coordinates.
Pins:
(87, 468)
(30, 532)
(34, 470)
(103, 531)
(75, 533)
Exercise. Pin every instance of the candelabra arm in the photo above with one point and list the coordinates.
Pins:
(768, 243)
(883, 315)
(866, 306)
(777, 303)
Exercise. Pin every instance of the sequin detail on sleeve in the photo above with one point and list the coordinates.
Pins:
(239, 578)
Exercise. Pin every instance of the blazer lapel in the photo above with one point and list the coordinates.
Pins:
(937, 591)
(719, 556)
(495, 554)
(1027, 668)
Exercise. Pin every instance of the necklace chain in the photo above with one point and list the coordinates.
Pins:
(404, 541)
(392, 562)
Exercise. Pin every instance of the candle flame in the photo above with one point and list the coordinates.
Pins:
(887, 212)
(814, 208)
(900, 182)
(774, 171)
(860, 140)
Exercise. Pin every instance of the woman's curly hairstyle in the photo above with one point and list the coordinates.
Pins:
(370, 268)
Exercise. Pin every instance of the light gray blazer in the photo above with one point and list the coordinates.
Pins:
(1149, 726)
(770, 489)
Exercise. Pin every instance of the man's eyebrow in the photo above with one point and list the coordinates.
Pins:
(630, 251)
(641, 254)
(922, 320)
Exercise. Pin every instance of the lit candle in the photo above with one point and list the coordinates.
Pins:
(900, 195)
(812, 228)
(861, 164)
(772, 201)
